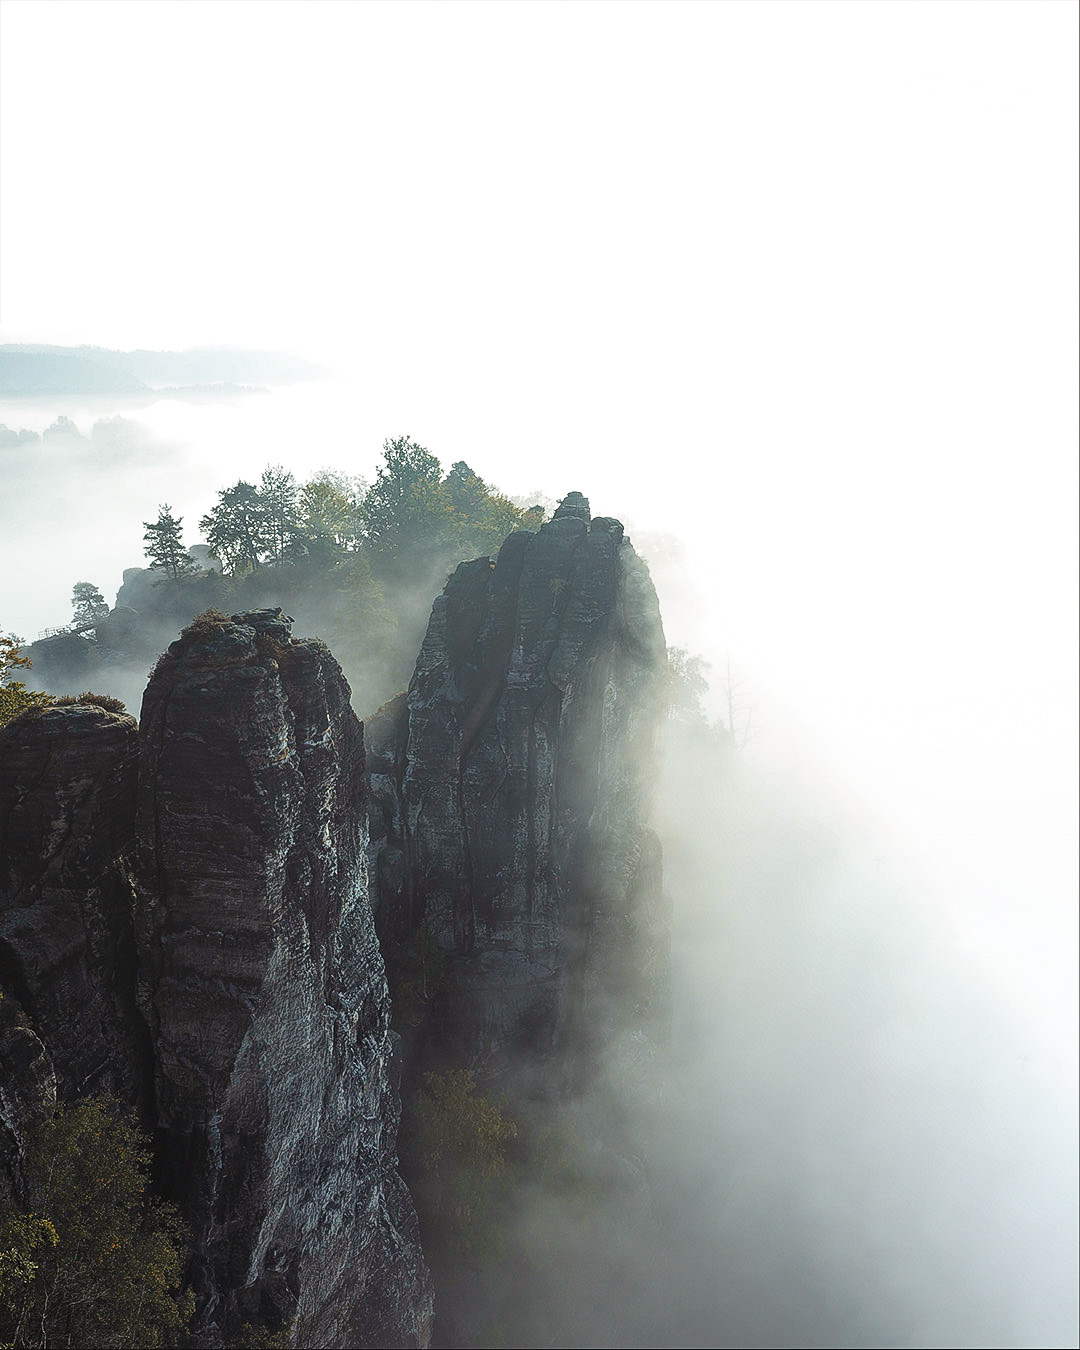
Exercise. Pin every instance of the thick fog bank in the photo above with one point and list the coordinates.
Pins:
(867, 1132)
(863, 1144)
(854, 1138)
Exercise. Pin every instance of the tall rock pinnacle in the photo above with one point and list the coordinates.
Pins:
(510, 800)
(263, 985)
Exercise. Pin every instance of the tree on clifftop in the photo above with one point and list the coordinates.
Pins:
(278, 492)
(165, 547)
(87, 603)
(403, 513)
(238, 529)
(14, 695)
(329, 513)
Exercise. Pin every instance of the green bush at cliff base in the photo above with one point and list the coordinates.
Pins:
(457, 1140)
(254, 1337)
(98, 1262)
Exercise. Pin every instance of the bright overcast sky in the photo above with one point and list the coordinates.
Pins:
(796, 281)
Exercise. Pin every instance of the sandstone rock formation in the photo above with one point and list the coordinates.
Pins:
(262, 982)
(234, 992)
(185, 918)
(67, 833)
(510, 802)
(27, 1091)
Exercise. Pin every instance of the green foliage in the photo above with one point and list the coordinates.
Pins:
(87, 603)
(458, 1143)
(481, 515)
(165, 545)
(11, 657)
(357, 565)
(112, 1276)
(205, 624)
(687, 685)
(403, 514)
(413, 518)
(24, 1239)
(239, 529)
(15, 698)
(253, 1337)
(279, 494)
(329, 509)
(89, 699)
(466, 494)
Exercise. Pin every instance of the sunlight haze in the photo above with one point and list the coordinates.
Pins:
(788, 288)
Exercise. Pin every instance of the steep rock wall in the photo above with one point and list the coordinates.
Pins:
(27, 1092)
(510, 802)
(67, 832)
(263, 985)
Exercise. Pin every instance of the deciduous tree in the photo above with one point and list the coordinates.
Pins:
(112, 1276)
(404, 513)
(329, 513)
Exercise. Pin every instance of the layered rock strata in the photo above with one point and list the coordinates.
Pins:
(261, 980)
(510, 802)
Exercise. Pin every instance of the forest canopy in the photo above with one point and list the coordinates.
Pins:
(357, 564)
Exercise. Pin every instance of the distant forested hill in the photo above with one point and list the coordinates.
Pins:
(28, 369)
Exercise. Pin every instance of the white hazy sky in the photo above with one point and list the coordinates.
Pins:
(794, 281)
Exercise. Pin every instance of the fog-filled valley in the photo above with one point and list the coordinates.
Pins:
(663, 418)
(859, 1131)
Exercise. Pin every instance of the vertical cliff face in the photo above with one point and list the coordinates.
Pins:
(67, 832)
(510, 798)
(27, 1092)
(262, 982)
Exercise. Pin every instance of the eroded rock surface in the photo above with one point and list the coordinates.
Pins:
(263, 984)
(510, 802)
(27, 1092)
(67, 833)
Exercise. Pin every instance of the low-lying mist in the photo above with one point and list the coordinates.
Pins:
(857, 1138)
(852, 1139)
(869, 1149)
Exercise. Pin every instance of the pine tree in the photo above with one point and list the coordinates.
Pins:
(278, 492)
(15, 698)
(88, 604)
(237, 529)
(165, 547)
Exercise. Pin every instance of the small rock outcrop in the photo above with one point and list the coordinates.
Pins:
(67, 832)
(510, 802)
(262, 982)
